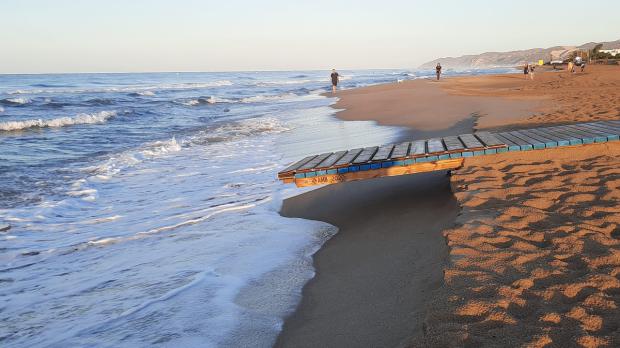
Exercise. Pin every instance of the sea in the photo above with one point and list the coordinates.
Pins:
(141, 209)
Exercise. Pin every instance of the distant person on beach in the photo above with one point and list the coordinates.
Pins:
(438, 70)
(570, 67)
(335, 80)
(532, 67)
(526, 70)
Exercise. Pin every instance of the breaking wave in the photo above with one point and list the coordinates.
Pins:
(137, 89)
(99, 117)
(14, 101)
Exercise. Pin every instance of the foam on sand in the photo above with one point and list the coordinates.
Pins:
(99, 117)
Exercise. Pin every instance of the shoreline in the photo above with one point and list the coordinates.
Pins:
(478, 101)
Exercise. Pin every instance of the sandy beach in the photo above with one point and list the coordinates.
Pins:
(511, 250)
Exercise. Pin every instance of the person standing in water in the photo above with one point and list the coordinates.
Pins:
(438, 70)
(335, 80)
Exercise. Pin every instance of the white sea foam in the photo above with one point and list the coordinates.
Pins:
(146, 93)
(267, 98)
(16, 101)
(1, 109)
(136, 89)
(99, 117)
(130, 158)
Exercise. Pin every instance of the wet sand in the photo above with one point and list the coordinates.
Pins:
(376, 278)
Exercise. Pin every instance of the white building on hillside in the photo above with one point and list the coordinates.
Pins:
(613, 52)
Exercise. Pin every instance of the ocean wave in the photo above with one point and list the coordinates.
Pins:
(100, 101)
(1, 109)
(14, 101)
(99, 117)
(142, 94)
(266, 98)
(237, 130)
(137, 89)
(203, 101)
(131, 158)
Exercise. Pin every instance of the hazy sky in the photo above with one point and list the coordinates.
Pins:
(191, 35)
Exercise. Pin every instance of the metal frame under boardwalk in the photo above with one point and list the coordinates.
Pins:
(438, 153)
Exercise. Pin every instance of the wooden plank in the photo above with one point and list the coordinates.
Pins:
(418, 148)
(470, 141)
(615, 122)
(534, 135)
(604, 131)
(401, 150)
(365, 155)
(453, 144)
(545, 133)
(378, 173)
(314, 162)
(511, 145)
(348, 157)
(296, 165)
(523, 145)
(488, 139)
(329, 161)
(574, 139)
(609, 132)
(383, 153)
(536, 144)
(601, 125)
(586, 137)
(435, 145)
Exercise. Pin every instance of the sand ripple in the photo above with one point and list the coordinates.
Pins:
(535, 255)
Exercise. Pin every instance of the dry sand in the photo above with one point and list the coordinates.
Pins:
(535, 253)
(534, 258)
(499, 100)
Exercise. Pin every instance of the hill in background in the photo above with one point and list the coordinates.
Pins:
(512, 58)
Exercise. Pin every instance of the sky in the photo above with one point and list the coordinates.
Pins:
(54, 36)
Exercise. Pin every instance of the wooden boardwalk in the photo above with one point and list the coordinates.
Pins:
(438, 153)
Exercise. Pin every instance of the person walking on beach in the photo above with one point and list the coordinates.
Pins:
(532, 67)
(335, 80)
(526, 70)
(438, 70)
